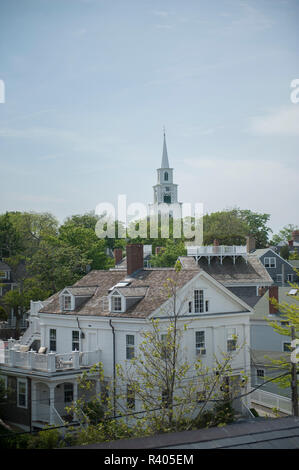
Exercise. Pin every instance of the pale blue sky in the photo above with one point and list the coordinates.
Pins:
(90, 84)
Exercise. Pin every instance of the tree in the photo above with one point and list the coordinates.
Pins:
(168, 256)
(257, 225)
(290, 317)
(284, 252)
(226, 226)
(10, 241)
(284, 235)
(90, 246)
(57, 264)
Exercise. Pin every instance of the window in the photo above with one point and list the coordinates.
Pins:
(130, 346)
(167, 188)
(167, 198)
(284, 323)
(286, 347)
(198, 301)
(200, 344)
(130, 397)
(260, 373)
(75, 341)
(52, 340)
(68, 393)
(207, 305)
(278, 277)
(67, 302)
(116, 303)
(3, 275)
(231, 340)
(190, 307)
(270, 262)
(165, 176)
(22, 393)
(290, 277)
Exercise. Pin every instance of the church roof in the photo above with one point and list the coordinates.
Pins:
(165, 162)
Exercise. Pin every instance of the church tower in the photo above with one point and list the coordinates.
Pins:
(165, 191)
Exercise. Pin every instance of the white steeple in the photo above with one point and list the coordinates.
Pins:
(165, 162)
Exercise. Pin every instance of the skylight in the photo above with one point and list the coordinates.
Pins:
(293, 291)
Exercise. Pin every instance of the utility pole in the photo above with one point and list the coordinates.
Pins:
(294, 380)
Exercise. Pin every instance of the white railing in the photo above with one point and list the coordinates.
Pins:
(50, 362)
(89, 357)
(217, 250)
(271, 400)
(55, 417)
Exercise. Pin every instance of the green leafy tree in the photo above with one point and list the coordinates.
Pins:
(10, 240)
(290, 317)
(226, 226)
(168, 256)
(284, 235)
(257, 225)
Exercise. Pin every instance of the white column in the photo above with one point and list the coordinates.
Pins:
(52, 402)
(33, 400)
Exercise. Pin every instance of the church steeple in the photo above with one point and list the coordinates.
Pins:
(165, 162)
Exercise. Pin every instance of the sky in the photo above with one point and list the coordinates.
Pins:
(89, 85)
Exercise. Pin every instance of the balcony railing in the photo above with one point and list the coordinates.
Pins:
(50, 362)
(217, 250)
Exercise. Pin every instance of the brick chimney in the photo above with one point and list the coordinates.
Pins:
(134, 257)
(273, 292)
(118, 255)
(295, 235)
(250, 243)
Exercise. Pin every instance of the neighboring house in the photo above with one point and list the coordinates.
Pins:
(280, 270)
(7, 283)
(233, 266)
(294, 242)
(267, 344)
(101, 317)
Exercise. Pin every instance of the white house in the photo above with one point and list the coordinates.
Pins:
(100, 318)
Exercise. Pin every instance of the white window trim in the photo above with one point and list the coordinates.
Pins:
(72, 339)
(290, 276)
(258, 379)
(63, 302)
(116, 293)
(203, 349)
(130, 346)
(269, 262)
(286, 342)
(23, 381)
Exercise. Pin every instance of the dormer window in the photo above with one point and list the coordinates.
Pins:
(116, 303)
(67, 302)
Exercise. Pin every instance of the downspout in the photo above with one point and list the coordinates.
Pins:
(114, 371)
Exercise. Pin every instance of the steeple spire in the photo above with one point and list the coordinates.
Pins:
(165, 163)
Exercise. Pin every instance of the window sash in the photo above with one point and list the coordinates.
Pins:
(270, 262)
(130, 346)
(200, 340)
(75, 340)
(22, 393)
(198, 301)
(130, 398)
(52, 341)
(116, 303)
(67, 302)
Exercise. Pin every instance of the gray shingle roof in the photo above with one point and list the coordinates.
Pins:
(230, 274)
(155, 292)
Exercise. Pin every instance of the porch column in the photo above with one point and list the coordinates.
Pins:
(52, 402)
(75, 396)
(33, 400)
